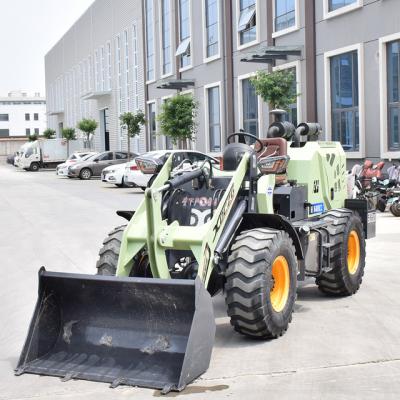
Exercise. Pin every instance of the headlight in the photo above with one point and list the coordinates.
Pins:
(273, 165)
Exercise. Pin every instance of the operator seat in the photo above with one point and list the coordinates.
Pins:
(274, 147)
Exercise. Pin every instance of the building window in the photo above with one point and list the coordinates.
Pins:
(4, 117)
(109, 75)
(135, 68)
(285, 14)
(344, 100)
(103, 69)
(27, 117)
(36, 131)
(247, 26)
(150, 39)
(97, 70)
(127, 71)
(214, 118)
(4, 132)
(152, 125)
(250, 108)
(336, 4)
(212, 28)
(166, 36)
(119, 72)
(28, 132)
(36, 117)
(183, 50)
(292, 111)
(393, 89)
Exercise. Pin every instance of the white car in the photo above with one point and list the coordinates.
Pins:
(62, 169)
(134, 176)
(114, 174)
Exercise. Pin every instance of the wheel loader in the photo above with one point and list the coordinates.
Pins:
(274, 213)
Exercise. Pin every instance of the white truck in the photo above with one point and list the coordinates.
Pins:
(47, 153)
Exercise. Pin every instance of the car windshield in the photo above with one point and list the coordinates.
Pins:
(90, 157)
(87, 156)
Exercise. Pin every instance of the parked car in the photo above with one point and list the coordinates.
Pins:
(135, 176)
(62, 169)
(114, 174)
(95, 164)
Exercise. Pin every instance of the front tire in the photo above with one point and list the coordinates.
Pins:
(345, 268)
(85, 174)
(261, 283)
(109, 254)
(395, 209)
(34, 167)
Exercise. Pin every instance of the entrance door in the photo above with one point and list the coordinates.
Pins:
(105, 129)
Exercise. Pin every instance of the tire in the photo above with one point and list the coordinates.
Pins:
(395, 209)
(345, 268)
(34, 167)
(256, 307)
(381, 204)
(85, 174)
(109, 253)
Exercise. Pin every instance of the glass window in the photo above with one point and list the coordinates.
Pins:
(109, 75)
(36, 117)
(247, 21)
(166, 36)
(28, 131)
(121, 156)
(212, 27)
(127, 71)
(335, 4)
(393, 88)
(291, 115)
(37, 131)
(105, 156)
(183, 50)
(214, 119)
(344, 100)
(152, 126)
(3, 117)
(250, 107)
(150, 39)
(27, 117)
(4, 132)
(285, 14)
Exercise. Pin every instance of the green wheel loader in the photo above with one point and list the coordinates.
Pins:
(274, 214)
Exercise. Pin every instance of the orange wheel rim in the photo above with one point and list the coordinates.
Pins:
(353, 252)
(281, 282)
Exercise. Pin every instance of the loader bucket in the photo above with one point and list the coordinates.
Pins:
(153, 333)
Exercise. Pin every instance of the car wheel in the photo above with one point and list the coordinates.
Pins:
(85, 174)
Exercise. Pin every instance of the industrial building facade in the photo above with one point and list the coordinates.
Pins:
(129, 55)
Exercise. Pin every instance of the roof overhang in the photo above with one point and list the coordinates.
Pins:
(96, 95)
(177, 84)
(58, 112)
(269, 54)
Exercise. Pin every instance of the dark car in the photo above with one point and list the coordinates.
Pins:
(95, 164)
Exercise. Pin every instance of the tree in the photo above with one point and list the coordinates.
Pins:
(178, 119)
(49, 133)
(68, 134)
(275, 88)
(33, 138)
(88, 127)
(133, 124)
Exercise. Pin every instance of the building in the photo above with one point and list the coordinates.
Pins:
(96, 71)
(346, 66)
(22, 115)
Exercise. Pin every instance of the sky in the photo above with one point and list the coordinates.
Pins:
(28, 30)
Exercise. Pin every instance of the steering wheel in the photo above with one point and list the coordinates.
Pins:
(239, 134)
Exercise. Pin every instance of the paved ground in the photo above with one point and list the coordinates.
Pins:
(335, 349)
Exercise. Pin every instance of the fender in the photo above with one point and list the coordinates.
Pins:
(126, 214)
(274, 221)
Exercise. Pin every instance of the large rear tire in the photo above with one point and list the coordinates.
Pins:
(109, 254)
(345, 268)
(261, 283)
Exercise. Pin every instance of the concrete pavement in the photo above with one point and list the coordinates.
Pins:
(345, 348)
